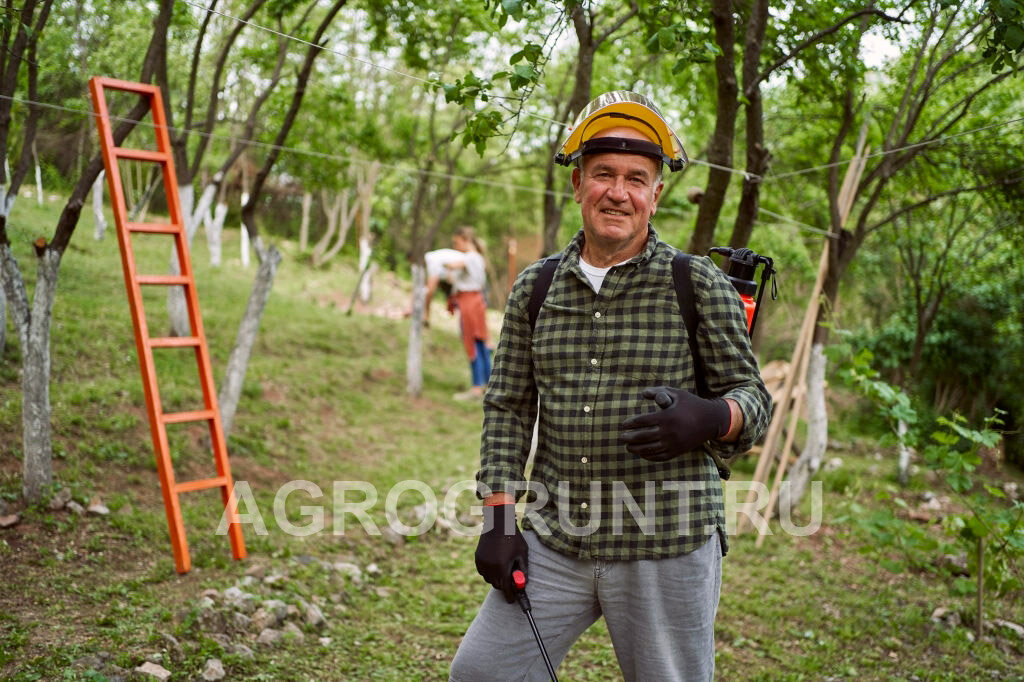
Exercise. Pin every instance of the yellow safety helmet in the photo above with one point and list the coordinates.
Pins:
(623, 108)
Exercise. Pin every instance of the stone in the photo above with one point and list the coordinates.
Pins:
(242, 651)
(97, 507)
(1012, 490)
(60, 499)
(173, 646)
(350, 570)
(214, 670)
(1016, 629)
(833, 464)
(293, 630)
(240, 621)
(212, 595)
(239, 600)
(220, 638)
(325, 641)
(277, 607)
(943, 616)
(256, 571)
(210, 619)
(314, 616)
(9, 521)
(275, 579)
(75, 508)
(269, 637)
(392, 537)
(154, 670)
(262, 620)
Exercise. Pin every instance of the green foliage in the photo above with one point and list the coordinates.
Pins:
(988, 527)
(1005, 43)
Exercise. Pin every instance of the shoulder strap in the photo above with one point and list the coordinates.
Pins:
(688, 309)
(541, 286)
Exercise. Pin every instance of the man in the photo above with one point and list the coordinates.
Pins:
(624, 516)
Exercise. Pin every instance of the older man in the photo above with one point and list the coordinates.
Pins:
(624, 516)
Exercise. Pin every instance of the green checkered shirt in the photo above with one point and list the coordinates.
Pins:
(588, 358)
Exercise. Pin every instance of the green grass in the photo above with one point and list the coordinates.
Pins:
(324, 400)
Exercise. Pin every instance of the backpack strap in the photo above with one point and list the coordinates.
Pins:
(688, 309)
(541, 286)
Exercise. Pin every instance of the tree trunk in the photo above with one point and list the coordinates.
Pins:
(813, 453)
(414, 361)
(903, 474)
(100, 221)
(238, 361)
(366, 284)
(721, 145)
(307, 203)
(214, 232)
(33, 326)
(39, 175)
(177, 309)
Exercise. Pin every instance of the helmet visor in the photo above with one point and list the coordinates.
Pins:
(622, 108)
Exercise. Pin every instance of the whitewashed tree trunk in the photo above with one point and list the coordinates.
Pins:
(365, 251)
(244, 253)
(214, 232)
(903, 475)
(366, 182)
(3, 316)
(177, 308)
(333, 208)
(414, 358)
(307, 204)
(99, 220)
(39, 174)
(813, 453)
(238, 361)
(33, 326)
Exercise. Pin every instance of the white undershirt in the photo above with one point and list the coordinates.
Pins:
(596, 275)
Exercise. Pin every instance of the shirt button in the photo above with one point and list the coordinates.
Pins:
(593, 361)
(584, 505)
(586, 408)
(583, 459)
(597, 314)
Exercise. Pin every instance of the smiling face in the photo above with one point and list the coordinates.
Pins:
(617, 193)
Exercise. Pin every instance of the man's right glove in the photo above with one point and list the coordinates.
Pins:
(502, 549)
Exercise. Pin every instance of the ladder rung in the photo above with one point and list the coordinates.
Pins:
(157, 228)
(141, 155)
(163, 279)
(194, 416)
(201, 484)
(174, 342)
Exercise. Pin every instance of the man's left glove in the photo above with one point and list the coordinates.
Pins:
(682, 424)
(501, 549)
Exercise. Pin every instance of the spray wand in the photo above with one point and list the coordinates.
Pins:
(519, 578)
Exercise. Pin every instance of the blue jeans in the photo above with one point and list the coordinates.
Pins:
(480, 367)
(660, 614)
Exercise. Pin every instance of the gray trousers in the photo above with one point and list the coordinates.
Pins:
(660, 614)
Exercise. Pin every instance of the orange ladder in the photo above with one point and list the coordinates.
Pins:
(144, 343)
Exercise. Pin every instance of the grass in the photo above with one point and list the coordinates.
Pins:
(324, 401)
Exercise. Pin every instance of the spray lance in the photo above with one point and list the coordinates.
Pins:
(741, 271)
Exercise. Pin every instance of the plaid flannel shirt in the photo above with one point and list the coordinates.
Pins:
(588, 358)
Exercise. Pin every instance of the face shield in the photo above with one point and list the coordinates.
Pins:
(617, 109)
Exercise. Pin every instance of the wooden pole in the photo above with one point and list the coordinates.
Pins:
(801, 353)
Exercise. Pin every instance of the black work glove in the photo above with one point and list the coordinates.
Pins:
(682, 424)
(502, 549)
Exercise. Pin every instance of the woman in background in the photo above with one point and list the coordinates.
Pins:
(468, 276)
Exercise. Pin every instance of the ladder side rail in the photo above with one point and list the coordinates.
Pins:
(158, 431)
(218, 439)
